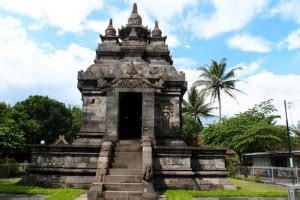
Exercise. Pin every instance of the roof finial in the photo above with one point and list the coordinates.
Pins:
(156, 24)
(134, 9)
(134, 19)
(110, 30)
(156, 31)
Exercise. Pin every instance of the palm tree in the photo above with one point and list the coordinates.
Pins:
(295, 129)
(196, 106)
(215, 79)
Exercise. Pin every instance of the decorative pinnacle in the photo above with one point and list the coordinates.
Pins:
(156, 24)
(156, 31)
(134, 9)
(110, 31)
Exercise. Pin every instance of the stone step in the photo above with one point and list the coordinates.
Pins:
(123, 186)
(128, 149)
(119, 165)
(127, 165)
(125, 171)
(131, 162)
(124, 195)
(129, 142)
(128, 154)
(129, 145)
(123, 179)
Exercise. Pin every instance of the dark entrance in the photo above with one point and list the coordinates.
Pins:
(130, 115)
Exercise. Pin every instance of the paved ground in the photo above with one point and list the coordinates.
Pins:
(279, 181)
(82, 197)
(22, 197)
(240, 198)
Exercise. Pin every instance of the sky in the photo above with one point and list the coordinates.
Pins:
(43, 44)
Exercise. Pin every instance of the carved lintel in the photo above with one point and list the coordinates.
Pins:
(131, 81)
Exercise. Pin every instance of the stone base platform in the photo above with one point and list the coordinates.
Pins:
(188, 167)
(71, 165)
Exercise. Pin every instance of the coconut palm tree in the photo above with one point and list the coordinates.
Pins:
(214, 79)
(195, 105)
(295, 129)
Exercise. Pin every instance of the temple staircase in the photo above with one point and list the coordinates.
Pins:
(124, 178)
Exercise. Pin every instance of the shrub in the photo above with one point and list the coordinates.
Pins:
(190, 129)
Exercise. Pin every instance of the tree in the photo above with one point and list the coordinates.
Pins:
(11, 138)
(196, 106)
(251, 131)
(215, 79)
(42, 118)
(295, 129)
(4, 109)
(76, 121)
(190, 129)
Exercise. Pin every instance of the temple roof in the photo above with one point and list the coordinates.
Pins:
(135, 50)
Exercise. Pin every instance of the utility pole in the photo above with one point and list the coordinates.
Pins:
(289, 143)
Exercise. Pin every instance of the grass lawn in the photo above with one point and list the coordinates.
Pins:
(244, 189)
(9, 186)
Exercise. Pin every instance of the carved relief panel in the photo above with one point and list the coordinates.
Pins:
(165, 114)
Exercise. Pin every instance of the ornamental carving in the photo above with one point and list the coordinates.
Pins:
(165, 114)
(132, 81)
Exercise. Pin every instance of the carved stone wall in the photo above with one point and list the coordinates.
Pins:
(93, 114)
(167, 114)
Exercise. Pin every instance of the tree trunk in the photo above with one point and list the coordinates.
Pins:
(243, 167)
(220, 106)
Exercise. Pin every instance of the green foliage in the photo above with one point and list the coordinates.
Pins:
(42, 118)
(244, 189)
(196, 106)
(251, 131)
(35, 119)
(9, 186)
(190, 129)
(11, 138)
(295, 129)
(76, 121)
(4, 109)
(214, 79)
(231, 163)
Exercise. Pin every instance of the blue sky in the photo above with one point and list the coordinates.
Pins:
(44, 44)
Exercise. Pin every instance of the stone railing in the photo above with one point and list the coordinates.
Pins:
(147, 166)
(96, 189)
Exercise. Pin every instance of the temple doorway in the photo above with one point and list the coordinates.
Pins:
(130, 115)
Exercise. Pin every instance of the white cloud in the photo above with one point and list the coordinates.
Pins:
(169, 13)
(183, 62)
(24, 64)
(66, 15)
(259, 87)
(165, 9)
(248, 69)
(292, 41)
(249, 43)
(229, 15)
(288, 10)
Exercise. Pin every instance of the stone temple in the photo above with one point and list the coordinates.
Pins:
(129, 145)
